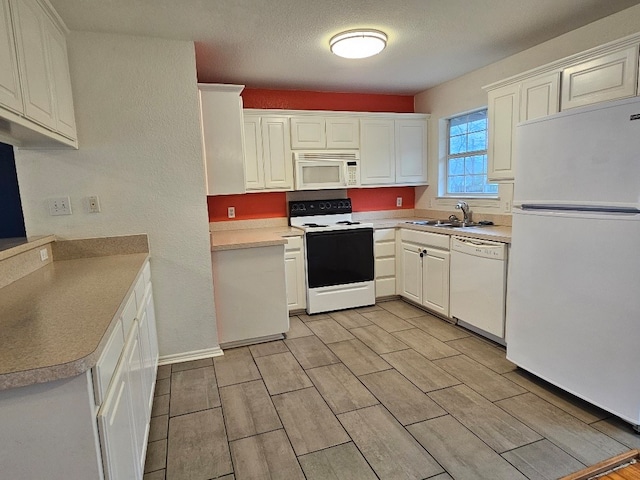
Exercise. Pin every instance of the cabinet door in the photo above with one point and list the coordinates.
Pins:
(116, 424)
(435, 280)
(222, 122)
(153, 332)
(343, 132)
(308, 132)
(607, 77)
(540, 96)
(377, 151)
(411, 151)
(135, 371)
(503, 113)
(294, 272)
(10, 95)
(63, 98)
(253, 163)
(278, 161)
(35, 71)
(411, 287)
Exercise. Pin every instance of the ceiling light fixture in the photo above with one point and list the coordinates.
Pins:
(358, 43)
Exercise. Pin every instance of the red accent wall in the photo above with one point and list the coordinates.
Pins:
(253, 206)
(375, 199)
(308, 100)
(248, 206)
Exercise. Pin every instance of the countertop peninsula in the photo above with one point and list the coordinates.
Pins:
(54, 321)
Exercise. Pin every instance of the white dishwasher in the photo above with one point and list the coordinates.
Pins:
(478, 280)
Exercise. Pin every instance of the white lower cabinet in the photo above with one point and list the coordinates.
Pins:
(116, 418)
(95, 425)
(424, 269)
(385, 262)
(295, 274)
(124, 416)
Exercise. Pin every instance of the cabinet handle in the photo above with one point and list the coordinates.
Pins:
(421, 254)
(424, 251)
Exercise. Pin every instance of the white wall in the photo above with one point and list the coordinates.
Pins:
(140, 151)
(465, 93)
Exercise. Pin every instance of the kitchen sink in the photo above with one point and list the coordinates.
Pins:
(445, 223)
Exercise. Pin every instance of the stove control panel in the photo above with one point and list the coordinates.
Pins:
(308, 208)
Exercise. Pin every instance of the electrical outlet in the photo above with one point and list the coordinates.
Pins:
(399, 202)
(507, 206)
(59, 206)
(93, 204)
(44, 254)
(231, 212)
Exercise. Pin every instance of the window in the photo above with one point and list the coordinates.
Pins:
(467, 156)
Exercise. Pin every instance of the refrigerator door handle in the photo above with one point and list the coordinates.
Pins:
(581, 208)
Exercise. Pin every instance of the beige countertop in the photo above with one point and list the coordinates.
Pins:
(54, 322)
(498, 233)
(252, 237)
(263, 237)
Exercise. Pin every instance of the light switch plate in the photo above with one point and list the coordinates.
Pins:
(59, 206)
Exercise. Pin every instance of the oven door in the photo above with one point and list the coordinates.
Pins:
(339, 257)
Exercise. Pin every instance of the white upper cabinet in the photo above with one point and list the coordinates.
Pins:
(313, 132)
(606, 77)
(393, 150)
(411, 151)
(36, 75)
(253, 163)
(540, 96)
(222, 138)
(63, 97)
(276, 153)
(36, 98)
(308, 132)
(267, 152)
(604, 73)
(10, 95)
(342, 132)
(503, 113)
(377, 151)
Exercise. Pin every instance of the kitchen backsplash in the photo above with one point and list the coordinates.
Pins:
(253, 206)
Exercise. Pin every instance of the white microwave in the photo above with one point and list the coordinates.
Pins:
(318, 170)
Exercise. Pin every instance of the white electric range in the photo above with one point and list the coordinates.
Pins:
(339, 256)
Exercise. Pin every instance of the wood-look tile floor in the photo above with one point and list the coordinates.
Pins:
(385, 392)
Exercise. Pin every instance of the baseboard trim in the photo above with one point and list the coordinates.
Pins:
(189, 356)
(252, 341)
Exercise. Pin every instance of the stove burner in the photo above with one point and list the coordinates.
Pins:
(347, 222)
(314, 225)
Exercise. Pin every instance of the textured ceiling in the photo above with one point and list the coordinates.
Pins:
(283, 44)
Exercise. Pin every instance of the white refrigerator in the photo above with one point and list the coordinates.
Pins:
(573, 291)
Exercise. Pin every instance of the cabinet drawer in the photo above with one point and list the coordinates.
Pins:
(385, 267)
(425, 238)
(385, 287)
(106, 364)
(386, 234)
(139, 291)
(293, 243)
(129, 314)
(387, 249)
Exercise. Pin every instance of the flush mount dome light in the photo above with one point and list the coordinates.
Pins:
(358, 43)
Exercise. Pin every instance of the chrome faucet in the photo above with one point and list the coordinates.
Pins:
(464, 206)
